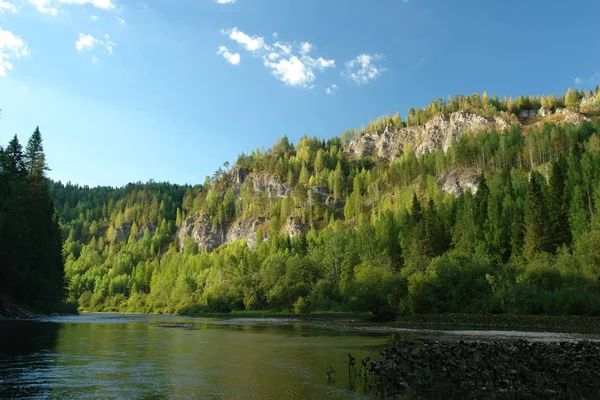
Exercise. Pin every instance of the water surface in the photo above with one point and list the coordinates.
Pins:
(152, 357)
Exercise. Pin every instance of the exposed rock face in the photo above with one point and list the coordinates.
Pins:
(209, 237)
(572, 117)
(151, 229)
(437, 134)
(460, 180)
(544, 112)
(294, 227)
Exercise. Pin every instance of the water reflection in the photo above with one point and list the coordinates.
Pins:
(27, 357)
(154, 357)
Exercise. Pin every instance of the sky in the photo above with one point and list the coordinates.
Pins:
(169, 90)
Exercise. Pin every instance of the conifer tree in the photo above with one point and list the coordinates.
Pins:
(536, 219)
(558, 211)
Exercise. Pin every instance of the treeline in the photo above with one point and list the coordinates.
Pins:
(31, 260)
(382, 236)
(575, 100)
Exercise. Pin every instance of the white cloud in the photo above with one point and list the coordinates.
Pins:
(292, 71)
(362, 70)
(89, 43)
(7, 7)
(305, 47)
(251, 43)
(288, 62)
(85, 42)
(592, 80)
(11, 47)
(52, 6)
(94, 18)
(225, 1)
(121, 20)
(296, 70)
(231, 58)
(331, 89)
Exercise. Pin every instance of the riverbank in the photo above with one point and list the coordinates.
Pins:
(9, 310)
(476, 370)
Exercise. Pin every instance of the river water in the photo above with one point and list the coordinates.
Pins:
(153, 357)
(95, 356)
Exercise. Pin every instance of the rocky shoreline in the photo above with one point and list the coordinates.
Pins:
(516, 369)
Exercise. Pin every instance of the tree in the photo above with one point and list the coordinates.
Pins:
(13, 159)
(572, 100)
(536, 219)
(34, 157)
(558, 211)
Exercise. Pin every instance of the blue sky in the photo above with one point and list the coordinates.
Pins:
(127, 91)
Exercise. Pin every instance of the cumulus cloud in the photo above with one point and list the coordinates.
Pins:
(94, 18)
(231, 58)
(362, 69)
(52, 6)
(7, 7)
(291, 63)
(89, 43)
(250, 43)
(11, 48)
(331, 89)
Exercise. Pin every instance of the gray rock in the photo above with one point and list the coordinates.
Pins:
(437, 134)
(460, 180)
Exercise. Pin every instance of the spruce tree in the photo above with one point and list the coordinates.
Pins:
(536, 219)
(558, 211)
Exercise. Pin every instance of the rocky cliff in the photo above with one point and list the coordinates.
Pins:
(208, 236)
(437, 134)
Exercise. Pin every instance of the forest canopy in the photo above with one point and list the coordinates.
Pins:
(381, 236)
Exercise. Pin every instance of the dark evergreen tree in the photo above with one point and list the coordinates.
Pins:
(558, 209)
(536, 237)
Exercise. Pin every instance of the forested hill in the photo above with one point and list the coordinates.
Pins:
(474, 204)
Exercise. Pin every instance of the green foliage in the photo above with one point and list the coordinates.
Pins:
(31, 260)
(382, 236)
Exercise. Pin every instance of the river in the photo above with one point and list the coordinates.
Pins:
(93, 356)
(152, 357)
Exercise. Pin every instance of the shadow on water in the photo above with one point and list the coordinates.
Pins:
(26, 352)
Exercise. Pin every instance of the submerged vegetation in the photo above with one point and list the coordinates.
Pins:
(372, 235)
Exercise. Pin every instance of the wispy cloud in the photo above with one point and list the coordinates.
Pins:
(11, 47)
(94, 18)
(418, 64)
(52, 7)
(331, 89)
(225, 1)
(121, 20)
(362, 69)
(289, 62)
(89, 43)
(592, 80)
(7, 7)
(231, 58)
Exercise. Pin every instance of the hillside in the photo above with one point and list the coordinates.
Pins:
(468, 205)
